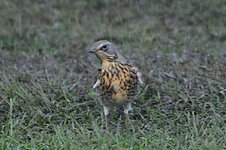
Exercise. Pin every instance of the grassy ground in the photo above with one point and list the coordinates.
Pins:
(46, 74)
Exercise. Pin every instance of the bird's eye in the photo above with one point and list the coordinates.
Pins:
(103, 48)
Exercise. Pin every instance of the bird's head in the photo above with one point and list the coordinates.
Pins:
(104, 50)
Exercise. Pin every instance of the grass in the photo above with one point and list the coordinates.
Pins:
(46, 74)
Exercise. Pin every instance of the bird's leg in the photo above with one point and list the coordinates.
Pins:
(106, 113)
(126, 112)
(97, 83)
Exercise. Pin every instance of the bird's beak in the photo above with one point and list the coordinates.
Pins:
(92, 50)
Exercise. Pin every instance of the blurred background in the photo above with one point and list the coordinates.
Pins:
(46, 73)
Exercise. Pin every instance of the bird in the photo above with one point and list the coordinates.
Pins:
(117, 79)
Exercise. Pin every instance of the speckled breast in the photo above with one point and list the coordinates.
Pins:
(118, 83)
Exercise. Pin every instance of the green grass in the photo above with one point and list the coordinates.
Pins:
(46, 74)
